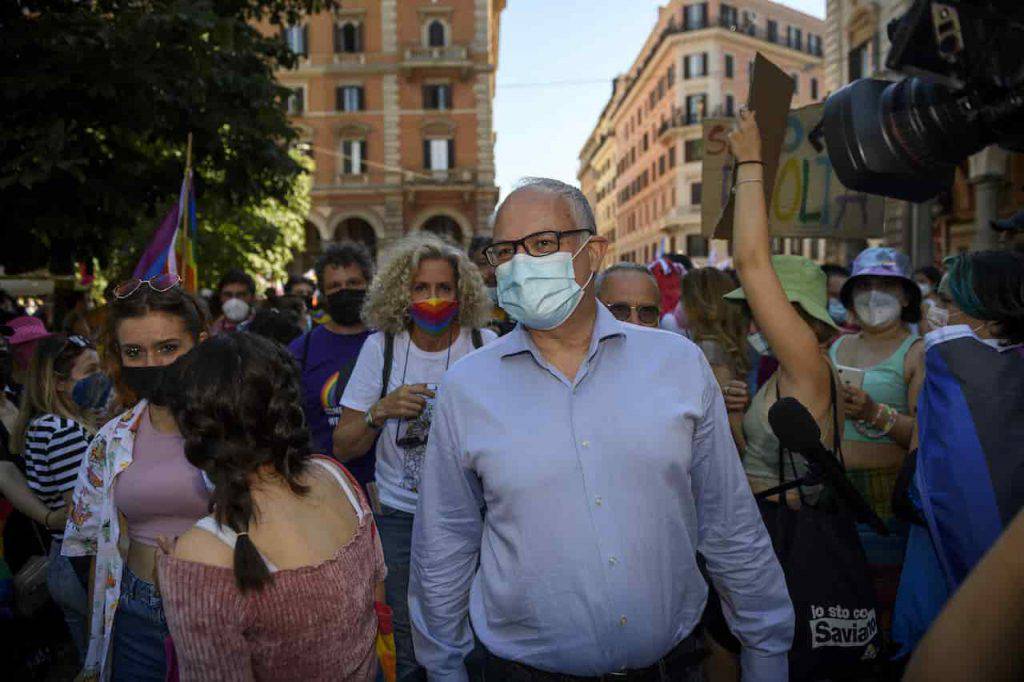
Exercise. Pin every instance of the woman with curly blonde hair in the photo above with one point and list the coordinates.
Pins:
(429, 305)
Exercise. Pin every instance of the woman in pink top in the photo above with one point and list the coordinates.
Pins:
(135, 480)
(280, 581)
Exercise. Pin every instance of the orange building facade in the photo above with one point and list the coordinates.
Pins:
(394, 103)
(696, 63)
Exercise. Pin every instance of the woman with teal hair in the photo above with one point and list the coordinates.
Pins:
(967, 484)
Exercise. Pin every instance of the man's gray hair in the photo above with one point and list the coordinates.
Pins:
(579, 207)
(625, 267)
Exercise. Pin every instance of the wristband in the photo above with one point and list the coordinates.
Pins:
(368, 418)
(757, 161)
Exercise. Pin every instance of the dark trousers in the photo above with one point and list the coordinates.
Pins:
(681, 664)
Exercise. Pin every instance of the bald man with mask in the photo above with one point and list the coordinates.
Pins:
(604, 455)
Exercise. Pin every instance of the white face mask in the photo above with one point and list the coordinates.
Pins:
(235, 309)
(877, 308)
(937, 316)
(540, 291)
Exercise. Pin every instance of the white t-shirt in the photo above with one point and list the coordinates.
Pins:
(399, 466)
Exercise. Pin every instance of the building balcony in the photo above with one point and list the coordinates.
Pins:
(419, 58)
(681, 216)
(676, 125)
(440, 179)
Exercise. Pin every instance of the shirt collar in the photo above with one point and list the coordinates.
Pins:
(605, 327)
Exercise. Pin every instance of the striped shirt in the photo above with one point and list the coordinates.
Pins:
(54, 447)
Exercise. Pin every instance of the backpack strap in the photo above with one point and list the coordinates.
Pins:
(478, 338)
(389, 357)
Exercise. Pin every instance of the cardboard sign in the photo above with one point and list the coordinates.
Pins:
(807, 199)
(771, 91)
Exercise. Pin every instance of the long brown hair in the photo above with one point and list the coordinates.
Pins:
(51, 362)
(712, 318)
(175, 301)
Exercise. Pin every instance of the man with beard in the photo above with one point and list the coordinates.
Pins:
(328, 353)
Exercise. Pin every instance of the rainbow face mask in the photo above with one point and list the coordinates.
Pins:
(434, 315)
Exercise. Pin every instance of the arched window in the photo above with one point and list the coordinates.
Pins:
(435, 34)
(348, 37)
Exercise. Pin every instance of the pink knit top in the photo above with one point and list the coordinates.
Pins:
(309, 623)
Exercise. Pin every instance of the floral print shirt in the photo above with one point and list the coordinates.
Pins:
(93, 528)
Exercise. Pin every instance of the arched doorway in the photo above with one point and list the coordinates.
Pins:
(357, 230)
(311, 249)
(445, 227)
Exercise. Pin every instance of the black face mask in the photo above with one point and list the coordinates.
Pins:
(345, 306)
(159, 385)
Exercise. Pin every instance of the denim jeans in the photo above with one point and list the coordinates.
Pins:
(139, 632)
(395, 529)
(69, 594)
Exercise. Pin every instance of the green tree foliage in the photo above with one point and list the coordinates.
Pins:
(98, 98)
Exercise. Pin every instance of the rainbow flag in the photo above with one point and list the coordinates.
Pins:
(172, 249)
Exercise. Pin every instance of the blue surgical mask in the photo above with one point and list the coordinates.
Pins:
(540, 291)
(759, 344)
(836, 310)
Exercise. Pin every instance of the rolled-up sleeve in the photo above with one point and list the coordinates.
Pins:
(445, 549)
(733, 539)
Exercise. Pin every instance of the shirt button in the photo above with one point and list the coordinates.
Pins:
(598, 501)
(585, 443)
(623, 620)
(612, 561)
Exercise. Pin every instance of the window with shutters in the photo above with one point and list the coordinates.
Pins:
(439, 154)
(814, 89)
(437, 35)
(296, 102)
(695, 108)
(696, 65)
(437, 97)
(859, 64)
(353, 154)
(796, 82)
(695, 193)
(671, 75)
(695, 16)
(728, 16)
(729, 66)
(794, 38)
(296, 38)
(772, 31)
(672, 156)
(349, 98)
(729, 104)
(661, 165)
(348, 37)
(696, 246)
(693, 150)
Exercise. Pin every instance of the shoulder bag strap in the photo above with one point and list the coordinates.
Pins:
(389, 356)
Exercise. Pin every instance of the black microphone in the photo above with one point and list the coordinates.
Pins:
(798, 432)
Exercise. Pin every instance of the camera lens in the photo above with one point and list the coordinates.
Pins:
(901, 140)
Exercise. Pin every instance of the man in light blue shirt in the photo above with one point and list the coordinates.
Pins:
(602, 455)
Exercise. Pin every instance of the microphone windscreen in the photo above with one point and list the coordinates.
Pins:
(793, 425)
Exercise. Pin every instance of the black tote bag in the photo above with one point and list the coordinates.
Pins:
(837, 635)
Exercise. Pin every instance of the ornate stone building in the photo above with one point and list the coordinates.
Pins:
(696, 62)
(394, 102)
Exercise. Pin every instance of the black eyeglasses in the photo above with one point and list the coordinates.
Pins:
(649, 315)
(537, 244)
(160, 284)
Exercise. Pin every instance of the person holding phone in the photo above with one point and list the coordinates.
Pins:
(881, 368)
(430, 305)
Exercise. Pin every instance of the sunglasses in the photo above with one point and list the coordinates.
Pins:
(159, 284)
(649, 315)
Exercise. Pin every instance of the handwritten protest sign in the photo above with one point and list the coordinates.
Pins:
(807, 199)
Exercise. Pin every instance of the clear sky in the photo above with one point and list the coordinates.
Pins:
(556, 64)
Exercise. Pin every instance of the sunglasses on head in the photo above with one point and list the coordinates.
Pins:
(160, 284)
(648, 315)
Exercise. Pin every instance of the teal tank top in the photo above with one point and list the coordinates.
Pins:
(884, 383)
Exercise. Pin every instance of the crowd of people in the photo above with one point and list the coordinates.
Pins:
(518, 462)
